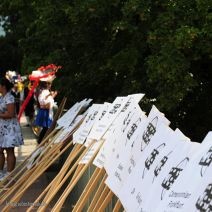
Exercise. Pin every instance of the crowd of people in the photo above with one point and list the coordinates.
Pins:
(12, 96)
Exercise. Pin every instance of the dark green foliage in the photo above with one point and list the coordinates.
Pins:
(110, 48)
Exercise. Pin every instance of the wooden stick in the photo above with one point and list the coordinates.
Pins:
(32, 178)
(97, 194)
(48, 150)
(16, 172)
(64, 169)
(52, 192)
(72, 156)
(88, 189)
(24, 187)
(77, 149)
(62, 199)
(50, 196)
(13, 176)
(15, 187)
(69, 188)
(117, 206)
(106, 201)
(48, 135)
(28, 177)
(21, 167)
(101, 198)
(23, 179)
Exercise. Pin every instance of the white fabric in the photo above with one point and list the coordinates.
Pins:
(45, 98)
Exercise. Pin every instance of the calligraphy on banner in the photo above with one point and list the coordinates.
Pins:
(149, 166)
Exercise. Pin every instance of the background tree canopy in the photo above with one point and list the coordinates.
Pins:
(118, 47)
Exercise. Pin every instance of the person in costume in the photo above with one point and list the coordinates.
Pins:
(10, 130)
(46, 104)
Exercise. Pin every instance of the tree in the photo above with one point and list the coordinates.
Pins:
(110, 48)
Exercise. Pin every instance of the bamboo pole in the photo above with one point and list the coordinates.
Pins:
(18, 170)
(50, 151)
(47, 136)
(74, 153)
(88, 190)
(34, 177)
(57, 187)
(22, 185)
(117, 206)
(62, 199)
(106, 201)
(69, 188)
(15, 187)
(101, 198)
(14, 175)
(59, 176)
(97, 194)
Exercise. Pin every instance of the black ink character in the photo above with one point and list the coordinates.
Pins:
(149, 132)
(205, 161)
(102, 115)
(126, 121)
(149, 161)
(115, 108)
(88, 119)
(133, 129)
(173, 175)
(94, 115)
(125, 106)
(160, 165)
(204, 202)
(133, 191)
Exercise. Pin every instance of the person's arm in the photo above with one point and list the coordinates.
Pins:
(46, 106)
(52, 93)
(9, 113)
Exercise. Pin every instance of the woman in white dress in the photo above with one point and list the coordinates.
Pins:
(10, 130)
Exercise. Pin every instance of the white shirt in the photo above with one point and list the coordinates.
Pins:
(45, 98)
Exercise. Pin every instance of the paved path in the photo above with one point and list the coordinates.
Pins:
(30, 142)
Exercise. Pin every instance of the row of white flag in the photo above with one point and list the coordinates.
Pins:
(150, 167)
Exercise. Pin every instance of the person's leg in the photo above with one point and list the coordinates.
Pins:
(28, 121)
(2, 159)
(17, 107)
(11, 159)
(42, 134)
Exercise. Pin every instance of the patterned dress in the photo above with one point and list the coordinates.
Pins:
(10, 130)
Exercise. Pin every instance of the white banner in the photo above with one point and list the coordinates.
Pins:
(65, 120)
(82, 132)
(198, 172)
(138, 136)
(116, 131)
(112, 112)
